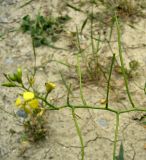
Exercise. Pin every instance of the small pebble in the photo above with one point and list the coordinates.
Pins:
(102, 122)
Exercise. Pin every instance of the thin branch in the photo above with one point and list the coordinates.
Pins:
(109, 79)
(80, 81)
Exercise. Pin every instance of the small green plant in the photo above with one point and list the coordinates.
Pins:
(43, 30)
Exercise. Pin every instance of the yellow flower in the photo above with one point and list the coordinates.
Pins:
(18, 102)
(29, 102)
(28, 96)
(34, 103)
(50, 86)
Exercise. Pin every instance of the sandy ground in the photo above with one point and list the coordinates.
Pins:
(62, 142)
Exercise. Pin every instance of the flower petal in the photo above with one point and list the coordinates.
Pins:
(28, 96)
(34, 103)
(18, 102)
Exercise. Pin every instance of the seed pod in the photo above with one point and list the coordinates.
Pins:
(9, 84)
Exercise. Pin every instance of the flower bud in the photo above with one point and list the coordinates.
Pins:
(12, 77)
(49, 86)
(19, 75)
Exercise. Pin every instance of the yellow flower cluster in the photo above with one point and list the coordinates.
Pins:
(29, 103)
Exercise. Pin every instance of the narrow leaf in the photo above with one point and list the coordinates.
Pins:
(73, 7)
(84, 24)
(121, 153)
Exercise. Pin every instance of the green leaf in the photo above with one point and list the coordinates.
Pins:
(83, 25)
(73, 7)
(26, 23)
(121, 153)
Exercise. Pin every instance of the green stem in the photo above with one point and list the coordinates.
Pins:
(111, 29)
(80, 81)
(78, 40)
(47, 103)
(109, 79)
(101, 108)
(46, 96)
(23, 87)
(79, 133)
(73, 7)
(133, 110)
(91, 34)
(34, 54)
(122, 63)
(116, 136)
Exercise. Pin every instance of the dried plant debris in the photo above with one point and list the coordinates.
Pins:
(131, 72)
